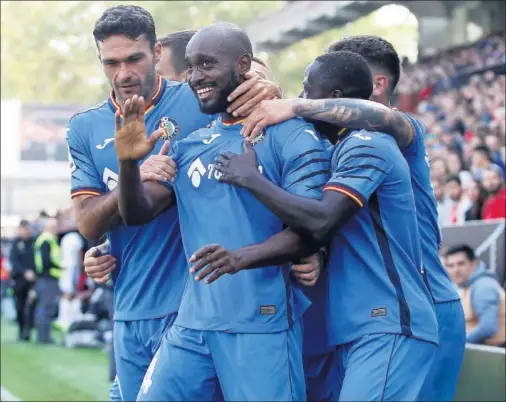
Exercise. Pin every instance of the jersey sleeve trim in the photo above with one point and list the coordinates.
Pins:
(85, 191)
(359, 199)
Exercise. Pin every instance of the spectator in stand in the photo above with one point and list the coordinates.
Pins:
(455, 165)
(495, 204)
(23, 277)
(481, 160)
(456, 202)
(494, 145)
(477, 196)
(483, 299)
(438, 170)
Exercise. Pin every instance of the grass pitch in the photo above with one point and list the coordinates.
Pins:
(33, 372)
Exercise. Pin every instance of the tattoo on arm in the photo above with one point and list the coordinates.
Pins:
(357, 114)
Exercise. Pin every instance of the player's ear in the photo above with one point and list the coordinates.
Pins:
(243, 64)
(336, 93)
(380, 85)
(157, 51)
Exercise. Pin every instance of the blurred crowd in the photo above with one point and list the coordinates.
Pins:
(460, 97)
(43, 275)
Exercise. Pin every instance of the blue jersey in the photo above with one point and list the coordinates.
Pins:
(152, 268)
(259, 300)
(375, 270)
(438, 281)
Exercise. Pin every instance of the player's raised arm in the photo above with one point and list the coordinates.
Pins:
(96, 211)
(138, 203)
(357, 114)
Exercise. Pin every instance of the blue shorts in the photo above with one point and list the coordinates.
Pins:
(196, 365)
(322, 377)
(441, 382)
(384, 367)
(135, 344)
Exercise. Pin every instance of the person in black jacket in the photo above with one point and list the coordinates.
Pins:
(23, 277)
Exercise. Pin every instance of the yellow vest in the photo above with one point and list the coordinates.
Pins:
(499, 338)
(55, 255)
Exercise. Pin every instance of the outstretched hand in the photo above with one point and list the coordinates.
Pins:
(267, 113)
(131, 140)
(238, 169)
(250, 93)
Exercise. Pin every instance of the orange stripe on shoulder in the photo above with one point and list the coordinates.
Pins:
(346, 192)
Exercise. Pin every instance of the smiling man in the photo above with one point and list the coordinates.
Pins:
(253, 316)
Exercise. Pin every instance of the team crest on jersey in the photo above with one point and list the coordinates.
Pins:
(259, 138)
(170, 128)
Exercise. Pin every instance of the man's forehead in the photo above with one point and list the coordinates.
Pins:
(119, 44)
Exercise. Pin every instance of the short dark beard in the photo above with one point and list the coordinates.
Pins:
(147, 88)
(221, 104)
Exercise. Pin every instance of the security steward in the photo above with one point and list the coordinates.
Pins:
(48, 268)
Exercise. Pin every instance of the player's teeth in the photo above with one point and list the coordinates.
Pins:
(204, 90)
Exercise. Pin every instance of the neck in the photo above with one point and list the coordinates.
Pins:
(383, 99)
(227, 117)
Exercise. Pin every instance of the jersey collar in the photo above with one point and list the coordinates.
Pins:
(232, 122)
(161, 84)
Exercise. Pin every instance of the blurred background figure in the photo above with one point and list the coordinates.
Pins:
(495, 204)
(477, 196)
(4, 281)
(483, 299)
(172, 64)
(23, 278)
(73, 247)
(48, 265)
(456, 203)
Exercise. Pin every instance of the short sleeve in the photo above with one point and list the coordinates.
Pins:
(305, 163)
(362, 164)
(418, 136)
(85, 179)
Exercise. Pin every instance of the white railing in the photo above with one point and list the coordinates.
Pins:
(491, 243)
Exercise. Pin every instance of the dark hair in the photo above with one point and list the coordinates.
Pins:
(24, 223)
(131, 21)
(454, 178)
(377, 51)
(484, 150)
(346, 71)
(462, 248)
(177, 42)
(259, 61)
